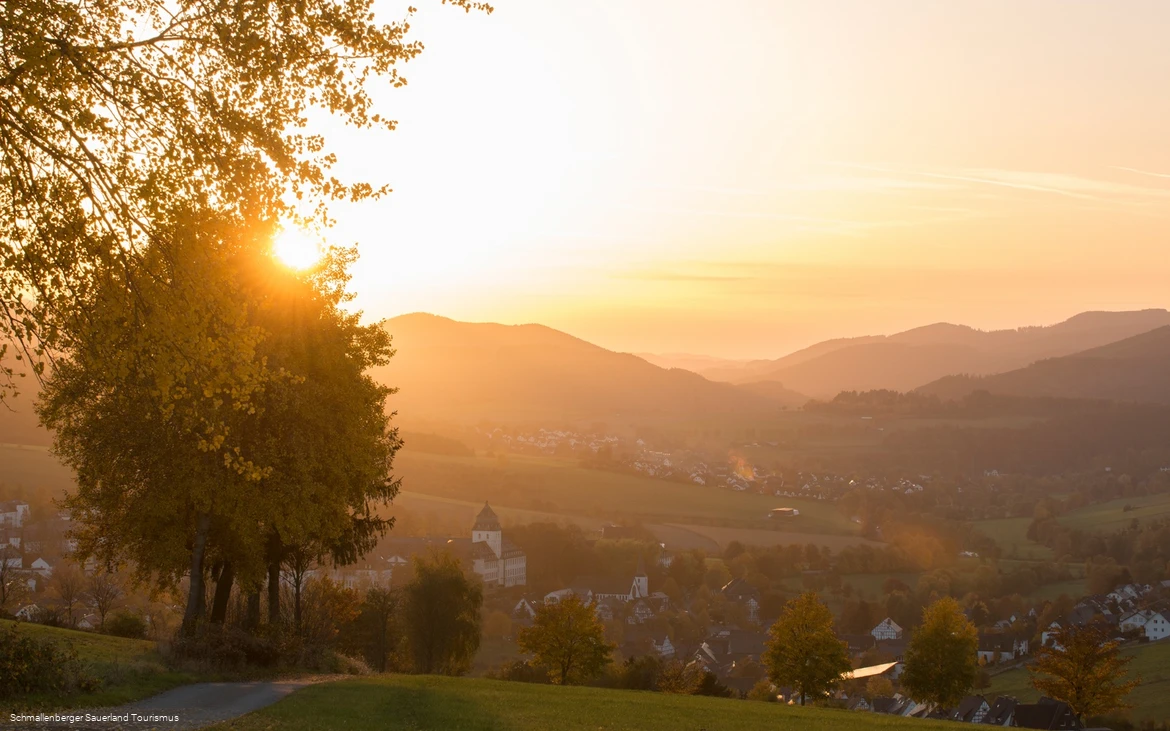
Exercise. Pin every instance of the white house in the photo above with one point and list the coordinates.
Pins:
(887, 629)
(497, 560)
(42, 567)
(1157, 625)
(12, 513)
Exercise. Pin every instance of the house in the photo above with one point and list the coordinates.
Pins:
(524, 610)
(497, 560)
(972, 709)
(743, 593)
(623, 590)
(1046, 714)
(641, 612)
(858, 704)
(1154, 625)
(887, 629)
(89, 621)
(996, 647)
(42, 567)
(12, 513)
(28, 612)
(1002, 712)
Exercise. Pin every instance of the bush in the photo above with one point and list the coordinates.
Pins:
(34, 665)
(227, 648)
(126, 624)
(519, 671)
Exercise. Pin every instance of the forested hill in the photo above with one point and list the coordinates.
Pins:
(467, 372)
(913, 358)
(1134, 369)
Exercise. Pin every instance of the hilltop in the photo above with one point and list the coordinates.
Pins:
(907, 360)
(467, 372)
(1133, 369)
(432, 702)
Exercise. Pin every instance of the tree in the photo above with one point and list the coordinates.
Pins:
(879, 686)
(1084, 668)
(802, 649)
(442, 615)
(105, 589)
(379, 627)
(68, 583)
(942, 657)
(567, 640)
(114, 109)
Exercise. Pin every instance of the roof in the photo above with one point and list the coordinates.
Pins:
(487, 520)
(510, 550)
(739, 590)
(480, 549)
(1001, 711)
(869, 672)
(746, 642)
(1046, 714)
(968, 707)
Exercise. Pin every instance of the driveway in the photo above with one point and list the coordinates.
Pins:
(180, 709)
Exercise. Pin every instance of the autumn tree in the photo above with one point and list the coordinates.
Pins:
(942, 657)
(567, 640)
(113, 110)
(441, 615)
(1084, 668)
(802, 649)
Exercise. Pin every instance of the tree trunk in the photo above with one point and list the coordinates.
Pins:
(252, 616)
(274, 593)
(298, 580)
(223, 592)
(195, 594)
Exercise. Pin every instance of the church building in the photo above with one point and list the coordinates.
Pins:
(496, 559)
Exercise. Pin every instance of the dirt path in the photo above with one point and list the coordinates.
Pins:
(187, 707)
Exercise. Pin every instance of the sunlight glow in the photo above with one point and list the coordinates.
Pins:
(296, 248)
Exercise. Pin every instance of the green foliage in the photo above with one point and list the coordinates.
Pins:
(802, 649)
(942, 658)
(1083, 668)
(567, 640)
(126, 624)
(441, 616)
(32, 664)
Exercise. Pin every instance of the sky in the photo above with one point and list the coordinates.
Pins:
(741, 179)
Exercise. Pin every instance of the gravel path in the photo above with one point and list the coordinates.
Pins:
(180, 709)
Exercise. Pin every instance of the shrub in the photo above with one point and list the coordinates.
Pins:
(126, 624)
(519, 671)
(35, 665)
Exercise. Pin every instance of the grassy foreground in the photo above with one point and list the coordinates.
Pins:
(129, 669)
(430, 702)
(1150, 700)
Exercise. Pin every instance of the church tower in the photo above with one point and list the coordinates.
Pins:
(641, 582)
(487, 529)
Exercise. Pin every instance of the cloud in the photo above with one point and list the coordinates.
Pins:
(1141, 172)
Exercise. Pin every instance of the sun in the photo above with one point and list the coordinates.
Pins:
(296, 248)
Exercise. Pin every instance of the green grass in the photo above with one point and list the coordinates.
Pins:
(1075, 588)
(428, 702)
(1150, 700)
(561, 487)
(1111, 516)
(129, 669)
(1011, 535)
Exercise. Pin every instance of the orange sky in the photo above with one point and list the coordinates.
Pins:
(743, 178)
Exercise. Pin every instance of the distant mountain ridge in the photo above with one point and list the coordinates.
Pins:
(904, 361)
(469, 372)
(1134, 369)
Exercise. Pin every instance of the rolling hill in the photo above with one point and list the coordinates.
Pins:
(1133, 369)
(468, 372)
(910, 359)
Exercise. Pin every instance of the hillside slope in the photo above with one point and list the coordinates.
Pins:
(1134, 369)
(471, 704)
(909, 359)
(469, 372)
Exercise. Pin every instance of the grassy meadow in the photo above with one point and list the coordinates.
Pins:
(128, 669)
(555, 486)
(1011, 535)
(1151, 699)
(1112, 516)
(471, 704)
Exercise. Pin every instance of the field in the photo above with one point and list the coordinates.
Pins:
(1075, 588)
(129, 669)
(1151, 699)
(429, 702)
(1112, 516)
(562, 488)
(1011, 534)
(758, 537)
